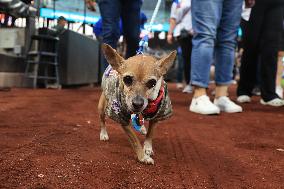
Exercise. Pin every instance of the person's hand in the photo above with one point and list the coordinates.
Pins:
(250, 3)
(170, 38)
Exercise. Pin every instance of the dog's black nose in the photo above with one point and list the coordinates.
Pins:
(137, 102)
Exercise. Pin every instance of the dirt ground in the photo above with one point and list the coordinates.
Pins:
(50, 139)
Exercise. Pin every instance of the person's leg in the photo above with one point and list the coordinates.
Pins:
(186, 46)
(110, 13)
(271, 36)
(249, 61)
(279, 88)
(206, 16)
(225, 54)
(226, 45)
(130, 14)
(180, 68)
(280, 66)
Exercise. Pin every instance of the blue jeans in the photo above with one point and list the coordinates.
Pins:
(215, 23)
(129, 12)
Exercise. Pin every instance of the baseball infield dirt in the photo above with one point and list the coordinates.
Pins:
(50, 139)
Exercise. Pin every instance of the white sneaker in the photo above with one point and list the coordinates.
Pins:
(243, 99)
(276, 102)
(226, 105)
(279, 91)
(187, 89)
(203, 105)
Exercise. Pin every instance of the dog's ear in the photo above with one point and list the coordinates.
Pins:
(165, 63)
(113, 58)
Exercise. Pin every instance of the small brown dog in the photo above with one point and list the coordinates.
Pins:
(135, 85)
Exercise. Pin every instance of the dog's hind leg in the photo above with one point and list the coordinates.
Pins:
(101, 110)
(148, 149)
(137, 147)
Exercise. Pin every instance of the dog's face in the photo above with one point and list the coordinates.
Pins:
(141, 76)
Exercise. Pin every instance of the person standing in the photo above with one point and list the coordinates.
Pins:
(181, 28)
(215, 25)
(129, 12)
(263, 37)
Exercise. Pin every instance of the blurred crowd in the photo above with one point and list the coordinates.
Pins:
(17, 7)
(220, 42)
(233, 42)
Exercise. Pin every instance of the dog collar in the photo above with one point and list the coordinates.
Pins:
(153, 105)
(152, 108)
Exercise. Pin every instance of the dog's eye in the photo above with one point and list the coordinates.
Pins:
(128, 80)
(151, 83)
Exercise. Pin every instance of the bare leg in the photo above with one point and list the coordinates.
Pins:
(279, 89)
(136, 145)
(221, 90)
(101, 110)
(279, 68)
(148, 149)
(199, 91)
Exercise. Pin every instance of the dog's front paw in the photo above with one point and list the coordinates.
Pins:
(148, 149)
(147, 160)
(143, 130)
(104, 135)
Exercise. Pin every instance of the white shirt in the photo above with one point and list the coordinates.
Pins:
(181, 12)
